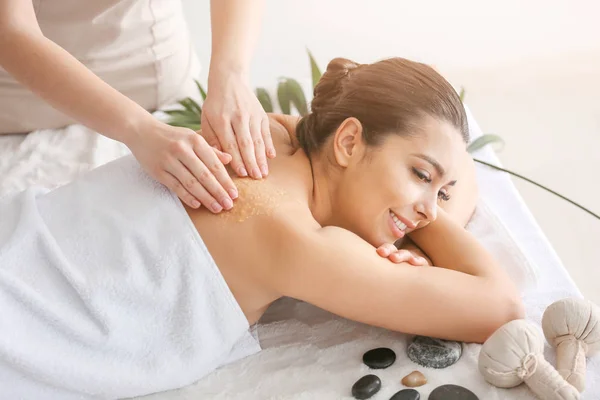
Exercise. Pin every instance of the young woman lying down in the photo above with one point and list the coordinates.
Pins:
(110, 287)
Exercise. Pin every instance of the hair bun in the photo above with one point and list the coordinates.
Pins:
(331, 84)
(339, 67)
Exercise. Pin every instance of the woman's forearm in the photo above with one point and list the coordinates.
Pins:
(235, 26)
(62, 81)
(450, 246)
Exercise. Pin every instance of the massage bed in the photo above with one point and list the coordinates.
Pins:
(309, 353)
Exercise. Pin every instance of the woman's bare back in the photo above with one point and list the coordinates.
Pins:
(244, 241)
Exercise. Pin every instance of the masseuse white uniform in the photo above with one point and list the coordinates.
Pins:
(140, 47)
(106, 289)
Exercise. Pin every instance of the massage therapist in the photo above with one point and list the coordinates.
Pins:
(107, 64)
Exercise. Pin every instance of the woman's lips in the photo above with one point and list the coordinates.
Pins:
(394, 228)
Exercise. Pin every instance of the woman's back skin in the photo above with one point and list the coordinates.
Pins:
(270, 245)
(247, 243)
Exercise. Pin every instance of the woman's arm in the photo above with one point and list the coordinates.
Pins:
(336, 270)
(171, 155)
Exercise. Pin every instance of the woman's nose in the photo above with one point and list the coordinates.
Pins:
(427, 210)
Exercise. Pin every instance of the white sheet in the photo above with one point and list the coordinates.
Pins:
(308, 353)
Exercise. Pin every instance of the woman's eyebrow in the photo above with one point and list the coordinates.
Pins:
(433, 162)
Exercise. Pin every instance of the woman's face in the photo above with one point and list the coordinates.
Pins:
(389, 190)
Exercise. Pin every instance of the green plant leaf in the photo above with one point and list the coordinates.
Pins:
(190, 104)
(462, 94)
(538, 185)
(185, 104)
(285, 102)
(484, 141)
(314, 68)
(289, 92)
(194, 127)
(201, 90)
(185, 114)
(185, 118)
(265, 99)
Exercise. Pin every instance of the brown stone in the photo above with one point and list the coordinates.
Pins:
(414, 379)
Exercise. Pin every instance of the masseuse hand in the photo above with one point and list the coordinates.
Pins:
(183, 161)
(234, 121)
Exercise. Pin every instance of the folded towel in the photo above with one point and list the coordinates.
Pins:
(108, 291)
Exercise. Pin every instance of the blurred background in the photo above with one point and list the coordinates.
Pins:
(531, 71)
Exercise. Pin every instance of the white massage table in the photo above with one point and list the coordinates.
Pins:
(309, 353)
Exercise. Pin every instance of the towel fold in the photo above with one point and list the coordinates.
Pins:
(108, 291)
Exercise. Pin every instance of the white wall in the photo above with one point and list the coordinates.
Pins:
(451, 34)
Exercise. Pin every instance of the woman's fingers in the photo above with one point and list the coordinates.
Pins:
(386, 249)
(413, 259)
(390, 252)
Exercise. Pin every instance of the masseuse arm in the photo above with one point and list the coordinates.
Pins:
(171, 155)
(336, 270)
(232, 117)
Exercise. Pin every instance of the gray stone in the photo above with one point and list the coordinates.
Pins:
(379, 358)
(366, 387)
(406, 394)
(452, 392)
(434, 353)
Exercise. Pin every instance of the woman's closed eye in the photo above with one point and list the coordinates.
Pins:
(423, 176)
(443, 195)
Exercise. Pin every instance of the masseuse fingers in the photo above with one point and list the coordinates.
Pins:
(259, 146)
(187, 182)
(229, 145)
(208, 134)
(210, 173)
(245, 141)
(268, 139)
(176, 187)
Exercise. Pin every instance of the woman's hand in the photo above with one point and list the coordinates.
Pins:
(183, 161)
(234, 121)
(398, 256)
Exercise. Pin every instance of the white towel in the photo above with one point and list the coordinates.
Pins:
(108, 291)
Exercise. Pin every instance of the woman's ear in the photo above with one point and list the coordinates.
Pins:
(347, 141)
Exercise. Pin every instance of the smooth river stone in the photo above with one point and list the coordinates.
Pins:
(452, 392)
(434, 353)
(414, 379)
(406, 394)
(366, 387)
(379, 358)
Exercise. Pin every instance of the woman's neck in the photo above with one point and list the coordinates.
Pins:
(321, 201)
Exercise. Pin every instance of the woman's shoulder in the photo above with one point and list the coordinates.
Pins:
(283, 129)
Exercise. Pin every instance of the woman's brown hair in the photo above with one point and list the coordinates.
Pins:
(388, 97)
